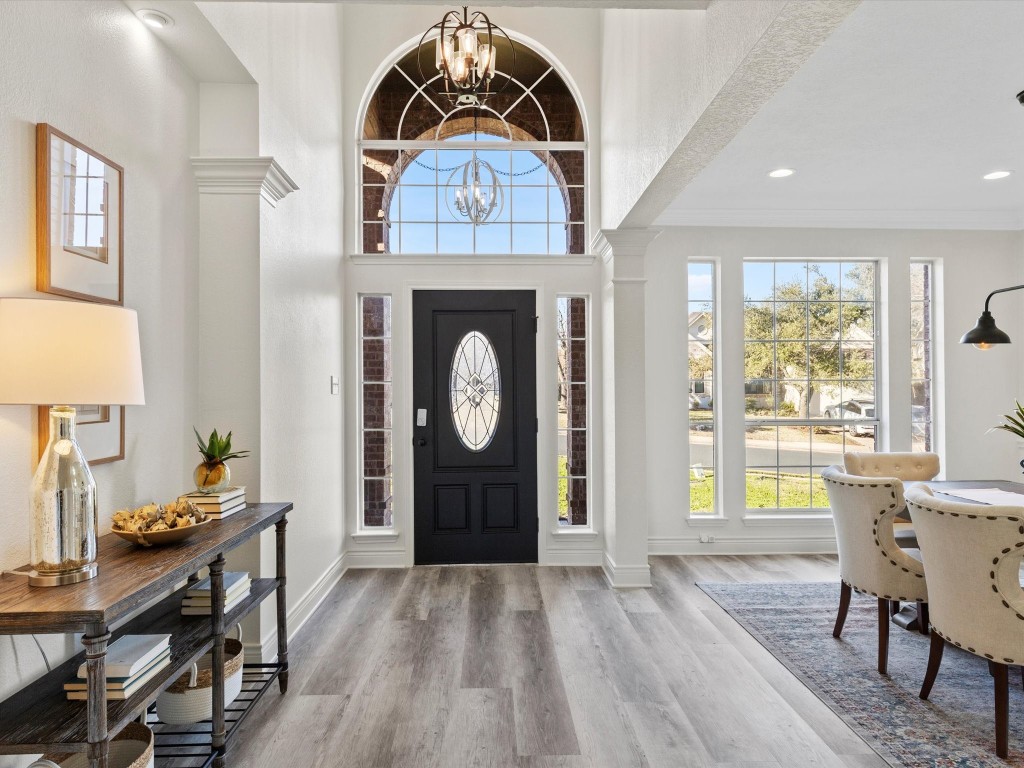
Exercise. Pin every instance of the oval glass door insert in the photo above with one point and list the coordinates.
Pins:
(475, 391)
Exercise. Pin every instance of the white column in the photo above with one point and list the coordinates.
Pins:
(625, 405)
(232, 191)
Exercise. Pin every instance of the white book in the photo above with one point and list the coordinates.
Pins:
(130, 654)
(124, 693)
(202, 587)
(119, 683)
(197, 497)
(204, 610)
(242, 587)
(217, 514)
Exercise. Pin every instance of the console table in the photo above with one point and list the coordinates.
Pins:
(39, 718)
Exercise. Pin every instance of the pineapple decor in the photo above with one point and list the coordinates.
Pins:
(213, 475)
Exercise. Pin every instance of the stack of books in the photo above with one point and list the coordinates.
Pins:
(217, 506)
(197, 600)
(132, 660)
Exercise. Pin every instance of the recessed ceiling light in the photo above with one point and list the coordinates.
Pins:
(781, 173)
(996, 175)
(155, 19)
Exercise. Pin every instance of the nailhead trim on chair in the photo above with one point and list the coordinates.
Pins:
(874, 532)
(991, 574)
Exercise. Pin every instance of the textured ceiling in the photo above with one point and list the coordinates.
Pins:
(891, 123)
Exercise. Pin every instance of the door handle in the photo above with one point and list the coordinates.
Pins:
(419, 441)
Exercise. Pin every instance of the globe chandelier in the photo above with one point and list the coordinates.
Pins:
(473, 191)
(466, 56)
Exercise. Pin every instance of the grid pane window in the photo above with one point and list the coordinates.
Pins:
(810, 378)
(921, 353)
(573, 383)
(376, 386)
(700, 354)
(506, 177)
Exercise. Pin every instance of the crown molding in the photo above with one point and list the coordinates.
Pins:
(844, 219)
(243, 176)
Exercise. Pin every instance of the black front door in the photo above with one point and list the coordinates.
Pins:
(474, 426)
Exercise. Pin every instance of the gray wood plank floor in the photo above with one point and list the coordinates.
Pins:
(518, 666)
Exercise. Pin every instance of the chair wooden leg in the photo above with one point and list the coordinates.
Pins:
(1002, 690)
(922, 617)
(845, 592)
(894, 607)
(934, 660)
(883, 636)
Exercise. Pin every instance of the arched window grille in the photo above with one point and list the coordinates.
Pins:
(527, 143)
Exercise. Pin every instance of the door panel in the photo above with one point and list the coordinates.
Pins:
(474, 372)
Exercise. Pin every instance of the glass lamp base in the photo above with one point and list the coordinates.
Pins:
(84, 573)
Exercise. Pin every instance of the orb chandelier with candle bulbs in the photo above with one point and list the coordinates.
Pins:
(466, 57)
(476, 194)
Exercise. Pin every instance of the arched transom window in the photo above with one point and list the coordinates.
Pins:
(505, 177)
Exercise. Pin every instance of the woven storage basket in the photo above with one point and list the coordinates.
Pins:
(189, 700)
(131, 748)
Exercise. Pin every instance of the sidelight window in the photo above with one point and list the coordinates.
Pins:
(921, 353)
(375, 382)
(573, 382)
(701, 361)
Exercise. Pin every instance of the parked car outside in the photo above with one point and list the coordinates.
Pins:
(700, 401)
(854, 409)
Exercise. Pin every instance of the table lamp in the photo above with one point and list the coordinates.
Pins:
(54, 353)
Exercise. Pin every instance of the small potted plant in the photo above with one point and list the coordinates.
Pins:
(213, 475)
(1014, 424)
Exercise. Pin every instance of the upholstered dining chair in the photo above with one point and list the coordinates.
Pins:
(972, 555)
(908, 466)
(863, 509)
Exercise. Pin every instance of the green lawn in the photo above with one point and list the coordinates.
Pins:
(793, 492)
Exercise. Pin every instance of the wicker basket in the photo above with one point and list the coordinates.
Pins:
(188, 699)
(131, 748)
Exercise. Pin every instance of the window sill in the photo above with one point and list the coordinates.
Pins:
(787, 518)
(584, 534)
(385, 534)
(413, 259)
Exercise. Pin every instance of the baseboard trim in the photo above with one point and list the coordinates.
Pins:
(626, 576)
(574, 557)
(741, 545)
(265, 651)
(376, 558)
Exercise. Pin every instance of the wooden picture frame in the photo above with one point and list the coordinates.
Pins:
(79, 220)
(100, 436)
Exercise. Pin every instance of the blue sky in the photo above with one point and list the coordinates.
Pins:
(422, 222)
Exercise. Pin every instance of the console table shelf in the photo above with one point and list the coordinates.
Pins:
(39, 718)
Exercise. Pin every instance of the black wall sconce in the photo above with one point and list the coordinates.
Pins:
(986, 333)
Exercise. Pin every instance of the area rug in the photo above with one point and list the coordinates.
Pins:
(955, 728)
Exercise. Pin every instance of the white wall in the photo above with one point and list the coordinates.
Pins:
(293, 51)
(94, 71)
(659, 71)
(973, 387)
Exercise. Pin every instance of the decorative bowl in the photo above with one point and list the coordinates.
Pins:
(169, 536)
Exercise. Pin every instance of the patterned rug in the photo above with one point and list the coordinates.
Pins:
(954, 728)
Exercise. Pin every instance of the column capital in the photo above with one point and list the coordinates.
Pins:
(611, 243)
(243, 176)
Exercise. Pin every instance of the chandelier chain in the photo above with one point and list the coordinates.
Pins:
(503, 173)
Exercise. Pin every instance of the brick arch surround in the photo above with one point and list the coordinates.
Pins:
(396, 111)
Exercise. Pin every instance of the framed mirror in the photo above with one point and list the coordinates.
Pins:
(79, 220)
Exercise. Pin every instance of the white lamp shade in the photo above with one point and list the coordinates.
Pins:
(69, 352)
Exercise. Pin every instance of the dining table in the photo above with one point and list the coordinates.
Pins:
(906, 616)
